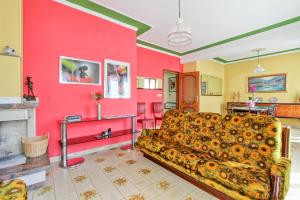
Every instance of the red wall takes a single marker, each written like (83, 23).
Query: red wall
(52, 30)
(151, 64)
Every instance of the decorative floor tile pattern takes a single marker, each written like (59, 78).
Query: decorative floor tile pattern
(144, 171)
(79, 179)
(109, 169)
(127, 175)
(42, 191)
(120, 181)
(87, 195)
(164, 185)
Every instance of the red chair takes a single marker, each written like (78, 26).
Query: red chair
(141, 115)
(158, 111)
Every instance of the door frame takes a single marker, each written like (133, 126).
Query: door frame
(197, 100)
(177, 85)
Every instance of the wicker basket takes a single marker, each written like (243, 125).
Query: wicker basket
(35, 146)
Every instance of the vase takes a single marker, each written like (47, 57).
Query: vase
(251, 104)
(99, 111)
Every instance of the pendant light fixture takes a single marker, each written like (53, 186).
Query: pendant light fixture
(259, 68)
(181, 34)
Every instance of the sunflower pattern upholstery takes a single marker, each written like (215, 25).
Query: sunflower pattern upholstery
(13, 190)
(235, 154)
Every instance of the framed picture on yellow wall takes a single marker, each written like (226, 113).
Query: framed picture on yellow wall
(268, 83)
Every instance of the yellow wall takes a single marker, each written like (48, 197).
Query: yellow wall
(208, 103)
(236, 76)
(11, 25)
(10, 77)
(11, 34)
(236, 79)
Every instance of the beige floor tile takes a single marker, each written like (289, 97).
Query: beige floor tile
(143, 179)
(198, 194)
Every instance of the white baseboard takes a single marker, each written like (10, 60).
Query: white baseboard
(34, 178)
(89, 151)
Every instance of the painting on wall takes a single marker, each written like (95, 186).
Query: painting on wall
(203, 88)
(267, 83)
(116, 79)
(172, 84)
(79, 71)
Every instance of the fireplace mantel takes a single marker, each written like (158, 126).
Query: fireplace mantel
(16, 121)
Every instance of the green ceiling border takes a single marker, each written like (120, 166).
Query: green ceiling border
(158, 47)
(222, 60)
(237, 37)
(142, 28)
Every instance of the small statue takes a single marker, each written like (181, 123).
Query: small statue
(233, 97)
(238, 94)
(30, 95)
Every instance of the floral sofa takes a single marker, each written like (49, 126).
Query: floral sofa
(13, 190)
(238, 156)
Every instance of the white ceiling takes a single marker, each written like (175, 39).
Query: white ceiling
(215, 20)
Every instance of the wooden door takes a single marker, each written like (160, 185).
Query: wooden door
(189, 91)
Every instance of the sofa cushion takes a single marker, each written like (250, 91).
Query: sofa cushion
(14, 189)
(248, 180)
(184, 156)
(173, 123)
(251, 139)
(204, 129)
(150, 143)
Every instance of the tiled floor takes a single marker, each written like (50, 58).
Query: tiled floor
(117, 174)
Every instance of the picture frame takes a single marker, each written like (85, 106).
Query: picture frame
(172, 84)
(79, 71)
(203, 88)
(117, 79)
(268, 83)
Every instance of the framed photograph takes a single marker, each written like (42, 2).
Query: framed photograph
(79, 71)
(116, 79)
(267, 83)
(203, 88)
(172, 84)
(152, 83)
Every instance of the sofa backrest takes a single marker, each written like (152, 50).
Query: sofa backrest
(203, 128)
(245, 138)
(184, 128)
(251, 139)
(172, 125)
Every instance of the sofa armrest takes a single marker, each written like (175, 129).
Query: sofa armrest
(150, 132)
(280, 172)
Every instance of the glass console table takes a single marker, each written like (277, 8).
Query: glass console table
(65, 141)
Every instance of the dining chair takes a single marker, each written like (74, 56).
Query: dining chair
(158, 111)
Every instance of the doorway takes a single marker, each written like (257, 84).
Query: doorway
(171, 93)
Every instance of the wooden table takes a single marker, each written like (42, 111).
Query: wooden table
(281, 110)
(256, 109)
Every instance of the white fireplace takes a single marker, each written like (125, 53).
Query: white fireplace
(16, 121)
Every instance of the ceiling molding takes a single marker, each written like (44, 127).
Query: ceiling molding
(222, 60)
(248, 34)
(155, 49)
(95, 7)
(159, 48)
(142, 27)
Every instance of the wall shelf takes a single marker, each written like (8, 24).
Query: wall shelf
(94, 137)
(148, 89)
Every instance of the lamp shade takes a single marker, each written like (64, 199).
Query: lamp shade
(180, 35)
